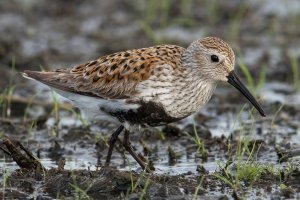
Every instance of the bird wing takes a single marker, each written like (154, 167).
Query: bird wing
(114, 76)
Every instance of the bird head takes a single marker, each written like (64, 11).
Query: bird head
(213, 60)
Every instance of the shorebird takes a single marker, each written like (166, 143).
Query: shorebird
(147, 87)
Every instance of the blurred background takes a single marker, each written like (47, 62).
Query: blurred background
(265, 34)
(41, 34)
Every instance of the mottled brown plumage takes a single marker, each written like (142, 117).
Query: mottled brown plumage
(114, 76)
(150, 86)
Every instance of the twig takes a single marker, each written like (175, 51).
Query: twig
(5, 151)
(27, 162)
(27, 151)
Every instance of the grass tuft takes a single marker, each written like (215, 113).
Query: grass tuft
(200, 143)
(5, 103)
(295, 70)
(253, 87)
(199, 187)
(5, 175)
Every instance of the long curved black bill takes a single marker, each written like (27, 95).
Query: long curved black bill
(234, 80)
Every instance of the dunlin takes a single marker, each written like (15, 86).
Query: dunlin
(149, 86)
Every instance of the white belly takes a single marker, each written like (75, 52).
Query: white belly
(90, 106)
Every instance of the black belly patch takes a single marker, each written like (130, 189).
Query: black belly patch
(149, 113)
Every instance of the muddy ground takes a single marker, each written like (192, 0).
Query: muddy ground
(266, 38)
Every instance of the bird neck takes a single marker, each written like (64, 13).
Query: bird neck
(191, 93)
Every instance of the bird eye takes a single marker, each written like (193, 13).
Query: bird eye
(214, 58)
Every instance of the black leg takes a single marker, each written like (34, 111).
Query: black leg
(112, 141)
(128, 147)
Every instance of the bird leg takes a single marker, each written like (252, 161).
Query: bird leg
(129, 148)
(112, 141)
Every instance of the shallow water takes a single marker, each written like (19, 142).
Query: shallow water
(224, 123)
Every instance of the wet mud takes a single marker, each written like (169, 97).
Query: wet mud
(182, 170)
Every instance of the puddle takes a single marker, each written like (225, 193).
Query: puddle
(79, 149)
(77, 144)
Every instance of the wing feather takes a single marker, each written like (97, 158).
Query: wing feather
(114, 76)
